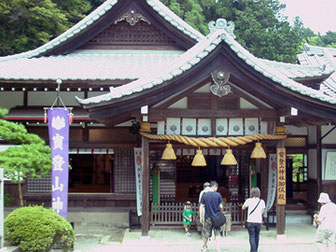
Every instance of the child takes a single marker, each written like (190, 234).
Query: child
(187, 215)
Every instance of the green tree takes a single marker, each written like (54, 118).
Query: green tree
(190, 11)
(308, 36)
(96, 3)
(329, 39)
(297, 164)
(28, 24)
(74, 10)
(31, 158)
(259, 27)
(302, 31)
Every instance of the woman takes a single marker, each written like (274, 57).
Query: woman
(256, 208)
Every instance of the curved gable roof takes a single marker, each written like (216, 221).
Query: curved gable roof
(98, 14)
(193, 57)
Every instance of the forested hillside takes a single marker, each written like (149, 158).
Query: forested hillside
(259, 27)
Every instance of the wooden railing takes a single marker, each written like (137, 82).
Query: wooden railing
(170, 213)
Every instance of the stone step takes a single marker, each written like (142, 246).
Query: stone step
(298, 216)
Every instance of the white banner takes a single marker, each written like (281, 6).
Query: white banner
(138, 178)
(272, 181)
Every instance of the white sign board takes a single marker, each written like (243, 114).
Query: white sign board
(330, 168)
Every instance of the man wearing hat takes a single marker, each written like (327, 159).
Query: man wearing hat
(326, 220)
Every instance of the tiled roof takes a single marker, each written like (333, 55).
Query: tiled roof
(192, 57)
(314, 56)
(80, 27)
(99, 65)
(294, 71)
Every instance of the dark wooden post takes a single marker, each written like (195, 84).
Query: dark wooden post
(319, 159)
(145, 187)
(280, 209)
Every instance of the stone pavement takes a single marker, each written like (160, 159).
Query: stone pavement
(97, 238)
(298, 237)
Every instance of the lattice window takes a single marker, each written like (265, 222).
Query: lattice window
(101, 135)
(124, 174)
(295, 142)
(39, 185)
(115, 135)
(244, 173)
(124, 33)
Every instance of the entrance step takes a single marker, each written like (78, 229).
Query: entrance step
(298, 216)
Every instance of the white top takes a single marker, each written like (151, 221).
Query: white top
(327, 216)
(206, 189)
(256, 216)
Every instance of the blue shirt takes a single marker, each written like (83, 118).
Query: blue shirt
(213, 199)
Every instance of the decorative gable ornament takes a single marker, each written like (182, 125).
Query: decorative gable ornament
(221, 79)
(222, 24)
(132, 18)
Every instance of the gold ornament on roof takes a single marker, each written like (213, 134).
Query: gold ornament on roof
(132, 18)
(221, 80)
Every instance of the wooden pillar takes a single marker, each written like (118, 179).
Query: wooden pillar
(280, 208)
(319, 159)
(145, 187)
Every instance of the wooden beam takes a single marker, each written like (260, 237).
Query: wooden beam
(145, 187)
(319, 159)
(162, 114)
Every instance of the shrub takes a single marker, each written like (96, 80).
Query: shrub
(36, 228)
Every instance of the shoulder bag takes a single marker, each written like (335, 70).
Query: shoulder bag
(253, 211)
(217, 220)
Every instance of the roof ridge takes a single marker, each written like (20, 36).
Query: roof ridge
(308, 48)
(278, 63)
(95, 15)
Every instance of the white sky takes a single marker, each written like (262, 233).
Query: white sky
(318, 15)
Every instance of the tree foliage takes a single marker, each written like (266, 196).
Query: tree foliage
(27, 159)
(74, 10)
(3, 112)
(190, 11)
(308, 36)
(31, 158)
(27, 24)
(259, 26)
(12, 133)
